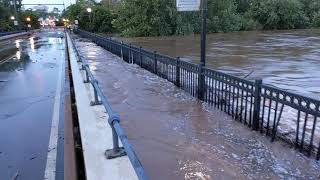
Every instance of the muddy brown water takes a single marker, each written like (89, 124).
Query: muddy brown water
(178, 137)
(287, 59)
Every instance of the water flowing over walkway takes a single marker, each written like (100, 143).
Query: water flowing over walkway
(178, 137)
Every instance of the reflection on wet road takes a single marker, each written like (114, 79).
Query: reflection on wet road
(28, 81)
(287, 59)
(178, 137)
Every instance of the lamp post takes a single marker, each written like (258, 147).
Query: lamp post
(89, 10)
(28, 19)
(14, 3)
(15, 23)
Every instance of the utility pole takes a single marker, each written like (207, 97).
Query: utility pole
(204, 9)
(202, 86)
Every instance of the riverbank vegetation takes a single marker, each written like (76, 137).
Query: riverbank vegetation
(160, 17)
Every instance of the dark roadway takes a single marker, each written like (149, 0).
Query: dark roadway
(31, 107)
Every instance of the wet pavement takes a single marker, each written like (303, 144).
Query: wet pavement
(287, 59)
(28, 88)
(178, 137)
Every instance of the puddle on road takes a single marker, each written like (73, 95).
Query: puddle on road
(178, 137)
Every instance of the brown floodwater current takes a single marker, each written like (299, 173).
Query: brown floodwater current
(287, 59)
(178, 137)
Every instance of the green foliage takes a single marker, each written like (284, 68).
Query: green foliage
(99, 20)
(310, 7)
(5, 24)
(276, 14)
(160, 17)
(188, 23)
(145, 18)
(249, 23)
(223, 16)
(316, 19)
(34, 16)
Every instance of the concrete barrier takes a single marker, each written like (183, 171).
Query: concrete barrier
(96, 134)
(15, 35)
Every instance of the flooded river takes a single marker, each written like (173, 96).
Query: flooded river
(287, 59)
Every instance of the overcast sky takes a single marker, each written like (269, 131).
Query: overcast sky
(66, 2)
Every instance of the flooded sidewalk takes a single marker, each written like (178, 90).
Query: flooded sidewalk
(178, 137)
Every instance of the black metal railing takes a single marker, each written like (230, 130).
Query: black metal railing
(113, 120)
(259, 106)
(9, 33)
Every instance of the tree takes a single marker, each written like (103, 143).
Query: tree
(145, 17)
(223, 16)
(276, 14)
(99, 20)
(160, 17)
(5, 24)
(34, 16)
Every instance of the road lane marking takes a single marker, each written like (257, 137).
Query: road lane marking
(50, 171)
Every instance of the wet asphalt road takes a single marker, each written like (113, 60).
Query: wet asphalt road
(28, 82)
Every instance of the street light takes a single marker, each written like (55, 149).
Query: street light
(89, 10)
(28, 19)
(12, 18)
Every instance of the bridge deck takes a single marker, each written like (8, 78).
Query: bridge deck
(178, 137)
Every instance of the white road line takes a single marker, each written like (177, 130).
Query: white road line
(50, 171)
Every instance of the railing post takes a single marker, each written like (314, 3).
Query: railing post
(77, 54)
(140, 53)
(256, 107)
(318, 154)
(201, 83)
(155, 67)
(86, 73)
(178, 72)
(96, 97)
(116, 151)
(122, 50)
(111, 47)
(129, 60)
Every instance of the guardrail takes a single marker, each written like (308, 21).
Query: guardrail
(113, 120)
(259, 106)
(9, 33)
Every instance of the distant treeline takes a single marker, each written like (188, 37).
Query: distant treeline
(160, 17)
(8, 16)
